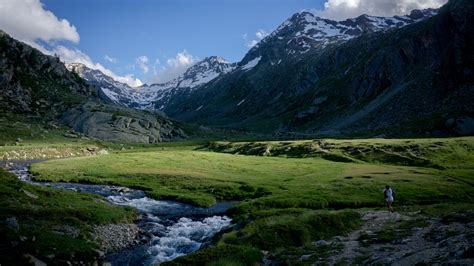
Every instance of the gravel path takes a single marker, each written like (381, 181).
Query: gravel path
(430, 241)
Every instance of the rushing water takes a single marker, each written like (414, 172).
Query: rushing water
(171, 229)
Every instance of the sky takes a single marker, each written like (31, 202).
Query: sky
(150, 41)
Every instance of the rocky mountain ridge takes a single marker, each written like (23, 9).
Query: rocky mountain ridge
(306, 31)
(112, 90)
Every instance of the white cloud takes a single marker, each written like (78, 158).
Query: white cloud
(174, 67)
(343, 9)
(182, 59)
(28, 21)
(110, 59)
(259, 35)
(142, 63)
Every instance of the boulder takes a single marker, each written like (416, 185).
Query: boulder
(12, 223)
(321, 243)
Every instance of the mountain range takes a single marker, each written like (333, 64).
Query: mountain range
(154, 96)
(301, 33)
(366, 75)
(393, 76)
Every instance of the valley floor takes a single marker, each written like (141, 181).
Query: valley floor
(300, 202)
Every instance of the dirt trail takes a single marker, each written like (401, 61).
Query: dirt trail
(398, 239)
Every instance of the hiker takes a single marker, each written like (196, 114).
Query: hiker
(388, 195)
(5, 161)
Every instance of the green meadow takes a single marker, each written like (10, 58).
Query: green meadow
(288, 178)
(287, 193)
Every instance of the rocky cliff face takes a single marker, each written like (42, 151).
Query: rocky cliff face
(399, 76)
(40, 86)
(35, 84)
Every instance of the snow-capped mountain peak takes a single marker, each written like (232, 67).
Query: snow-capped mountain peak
(306, 30)
(205, 71)
(198, 74)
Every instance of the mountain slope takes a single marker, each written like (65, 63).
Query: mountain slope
(32, 83)
(408, 80)
(40, 87)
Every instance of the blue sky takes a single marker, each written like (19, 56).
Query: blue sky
(150, 41)
(125, 29)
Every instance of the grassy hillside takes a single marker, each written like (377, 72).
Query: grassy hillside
(289, 193)
(54, 225)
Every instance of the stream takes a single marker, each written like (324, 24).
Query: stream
(168, 229)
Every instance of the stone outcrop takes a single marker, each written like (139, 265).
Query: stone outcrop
(114, 123)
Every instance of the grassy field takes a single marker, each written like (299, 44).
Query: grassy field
(290, 192)
(202, 177)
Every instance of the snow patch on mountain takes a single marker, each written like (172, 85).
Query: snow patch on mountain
(251, 64)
